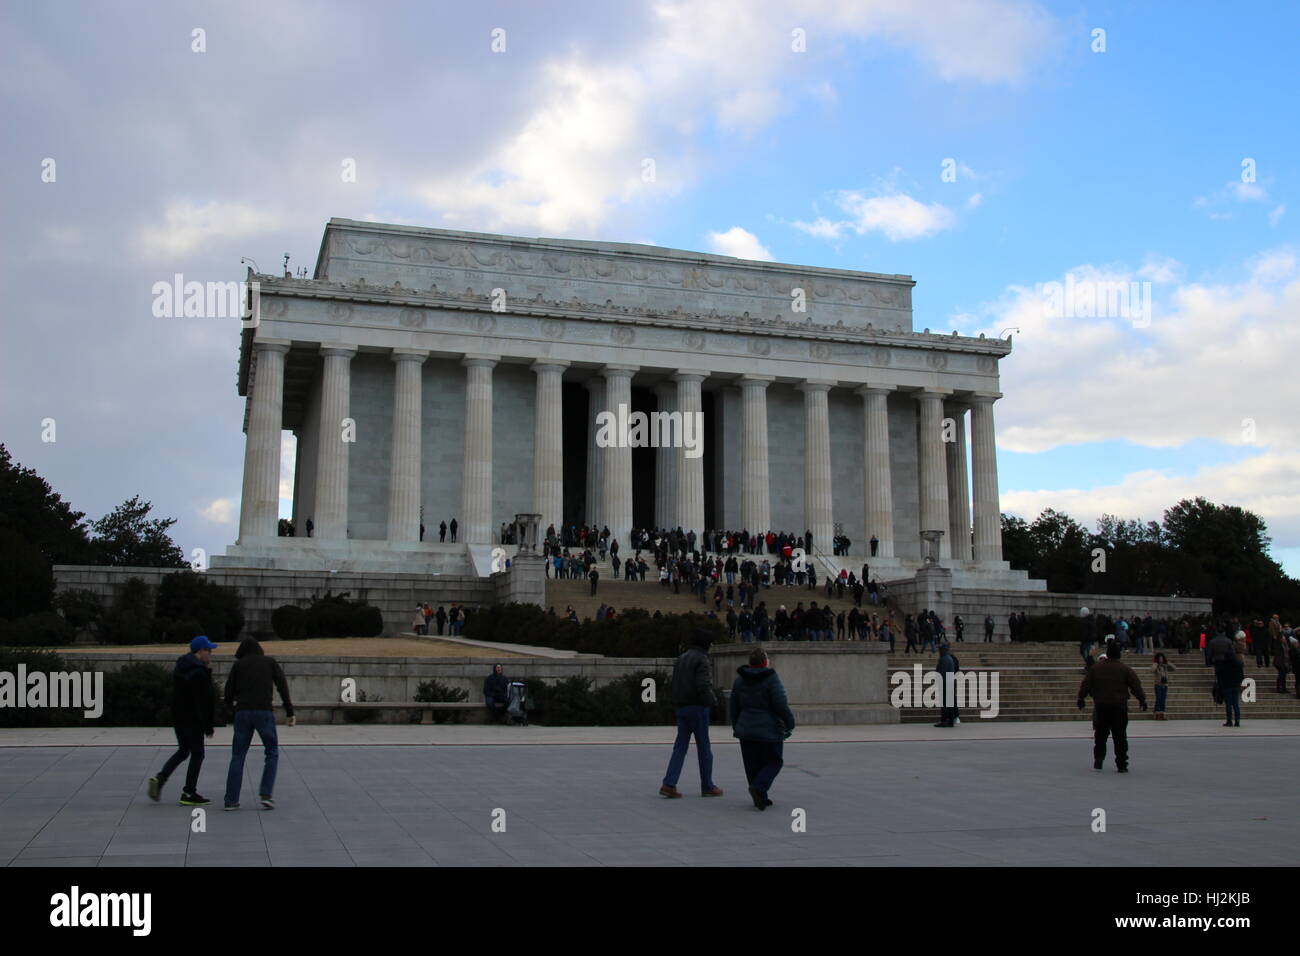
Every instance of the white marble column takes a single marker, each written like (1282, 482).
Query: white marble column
(331, 520)
(476, 484)
(617, 504)
(817, 464)
(877, 477)
(404, 468)
(666, 465)
(548, 444)
(959, 530)
(259, 509)
(595, 504)
(984, 472)
(934, 478)
(755, 488)
(690, 470)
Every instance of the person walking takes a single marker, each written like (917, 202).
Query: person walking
(909, 632)
(692, 693)
(249, 691)
(418, 623)
(1162, 667)
(947, 665)
(193, 714)
(1230, 674)
(1109, 682)
(761, 720)
(1278, 647)
(988, 628)
(441, 618)
(442, 532)
(453, 526)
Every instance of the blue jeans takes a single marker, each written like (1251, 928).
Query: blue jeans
(1162, 691)
(691, 719)
(246, 721)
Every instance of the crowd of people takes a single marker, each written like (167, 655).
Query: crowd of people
(447, 620)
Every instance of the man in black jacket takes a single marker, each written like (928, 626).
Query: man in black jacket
(193, 706)
(249, 689)
(1109, 682)
(692, 691)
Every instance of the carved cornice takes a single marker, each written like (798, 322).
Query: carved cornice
(625, 319)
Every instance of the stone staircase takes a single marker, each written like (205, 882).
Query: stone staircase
(1035, 681)
(652, 597)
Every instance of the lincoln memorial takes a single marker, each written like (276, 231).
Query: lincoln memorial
(429, 374)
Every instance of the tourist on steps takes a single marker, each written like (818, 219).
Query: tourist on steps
(1162, 667)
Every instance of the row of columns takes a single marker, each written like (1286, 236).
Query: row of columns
(679, 479)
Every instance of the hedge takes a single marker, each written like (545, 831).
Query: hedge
(632, 633)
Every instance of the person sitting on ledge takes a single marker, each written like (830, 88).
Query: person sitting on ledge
(496, 693)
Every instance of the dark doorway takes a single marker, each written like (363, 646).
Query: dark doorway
(575, 425)
(643, 467)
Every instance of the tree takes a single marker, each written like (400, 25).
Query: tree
(1017, 548)
(31, 509)
(1230, 545)
(128, 537)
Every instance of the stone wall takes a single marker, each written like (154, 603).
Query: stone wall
(264, 590)
(974, 603)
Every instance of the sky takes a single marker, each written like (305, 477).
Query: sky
(998, 152)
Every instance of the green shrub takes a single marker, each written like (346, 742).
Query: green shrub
(367, 621)
(35, 660)
(632, 633)
(432, 691)
(335, 616)
(130, 619)
(81, 608)
(569, 702)
(188, 598)
(45, 629)
(137, 695)
(289, 622)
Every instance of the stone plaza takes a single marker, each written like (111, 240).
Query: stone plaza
(898, 795)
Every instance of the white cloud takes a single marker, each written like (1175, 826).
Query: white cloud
(597, 115)
(1247, 192)
(1162, 269)
(739, 243)
(1211, 357)
(219, 511)
(188, 225)
(975, 201)
(1276, 215)
(896, 215)
(1267, 484)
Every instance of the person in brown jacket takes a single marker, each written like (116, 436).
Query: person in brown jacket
(1109, 682)
(1277, 646)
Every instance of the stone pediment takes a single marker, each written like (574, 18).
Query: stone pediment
(613, 278)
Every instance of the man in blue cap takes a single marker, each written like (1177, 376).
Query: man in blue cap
(193, 710)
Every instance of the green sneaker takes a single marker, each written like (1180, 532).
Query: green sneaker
(155, 789)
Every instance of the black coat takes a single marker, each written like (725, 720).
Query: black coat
(194, 699)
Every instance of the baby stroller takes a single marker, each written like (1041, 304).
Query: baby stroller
(518, 705)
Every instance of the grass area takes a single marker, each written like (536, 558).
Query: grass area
(315, 647)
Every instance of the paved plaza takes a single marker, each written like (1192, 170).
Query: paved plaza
(879, 796)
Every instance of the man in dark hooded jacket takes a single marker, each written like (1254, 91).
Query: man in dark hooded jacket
(692, 692)
(1109, 682)
(249, 691)
(193, 715)
(496, 692)
(761, 719)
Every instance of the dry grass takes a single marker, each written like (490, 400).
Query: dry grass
(316, 647)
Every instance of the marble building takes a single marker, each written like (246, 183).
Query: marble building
(429, 374)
